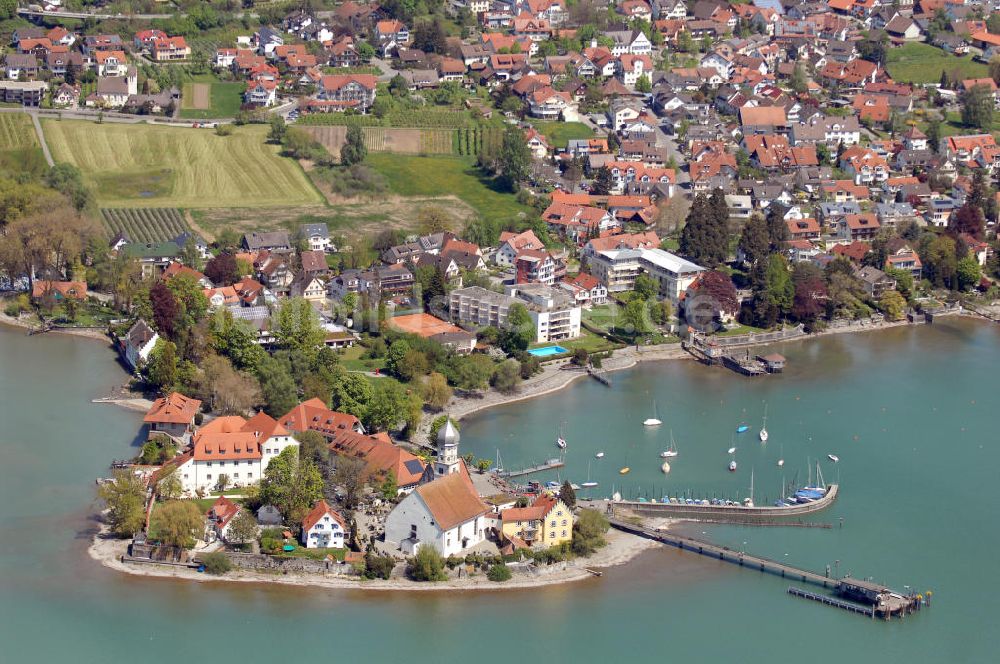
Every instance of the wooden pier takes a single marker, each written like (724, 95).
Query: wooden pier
(599, 377)
(885, 602)
(548, 465)
(832, 601)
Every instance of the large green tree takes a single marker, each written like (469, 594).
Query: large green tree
(291, 484)
(519, 331)
(514, 160)
(353, 151)
(124, 499)
(755, 241)
(277, 387)
(705, 236)
(177, 523)
(977, 107)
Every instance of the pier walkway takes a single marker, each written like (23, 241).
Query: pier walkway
(884, 601)
(529, 470)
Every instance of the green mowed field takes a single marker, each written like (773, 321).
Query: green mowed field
(226, 99)
(19, 148)
(16, 131)
(923, 63)
(441, 176)
(157, 166)
(560, 133)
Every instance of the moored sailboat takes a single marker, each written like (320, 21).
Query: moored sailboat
(652, 421)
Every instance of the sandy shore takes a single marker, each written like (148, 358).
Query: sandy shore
(621, 548)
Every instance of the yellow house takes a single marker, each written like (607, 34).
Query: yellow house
(546, 522)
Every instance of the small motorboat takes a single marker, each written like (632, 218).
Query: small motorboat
(781, 462)
(599, 455)
(833, 457)
(732, 466)
(742, 428)
(624, 471)
(665, 467)
(731, 450)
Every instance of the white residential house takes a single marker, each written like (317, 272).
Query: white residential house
(323, 528)
(238, 448)
(138, 343)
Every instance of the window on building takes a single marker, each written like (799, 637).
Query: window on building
(210, 477)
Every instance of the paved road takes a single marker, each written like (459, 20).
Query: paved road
(663, 139)
(85, 15)
(387, 71)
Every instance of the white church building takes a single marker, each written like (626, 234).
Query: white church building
(445, 513)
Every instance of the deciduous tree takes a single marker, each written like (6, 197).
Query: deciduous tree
(436, 391)
(124, 499)
(177, 523)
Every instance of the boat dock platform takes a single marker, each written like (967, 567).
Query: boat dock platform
(885, 602)
(529, 470)
(757, 515)
(832, 601)
(745, 365)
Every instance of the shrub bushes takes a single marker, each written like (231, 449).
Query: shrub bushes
(216, 563)
(499, 573)
(378, 567)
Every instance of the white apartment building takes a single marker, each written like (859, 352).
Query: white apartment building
(618, 268)
(553, 311)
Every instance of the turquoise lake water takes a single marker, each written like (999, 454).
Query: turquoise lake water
(912, 414)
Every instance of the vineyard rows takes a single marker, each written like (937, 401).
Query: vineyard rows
(424, 119)
(145, 225)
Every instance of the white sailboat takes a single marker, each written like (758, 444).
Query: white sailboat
(672, 452)
(560, 441)
(652, 421)
(588, 484)
(763, 427)
(781, 457)
(748, 502)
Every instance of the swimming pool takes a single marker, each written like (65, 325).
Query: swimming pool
(548, 350)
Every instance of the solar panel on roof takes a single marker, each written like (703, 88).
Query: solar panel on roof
(414, 466)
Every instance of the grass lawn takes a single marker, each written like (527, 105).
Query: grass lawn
(439, 176)
(560, 133)
(587, 340)
(226, 99)
(602, 316)
(19, 148)
(315, 554)
(16, 131)
(740, 329)
(151, 165)
(352, 361)
(923, 63)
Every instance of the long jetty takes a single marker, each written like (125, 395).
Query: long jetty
(884, 602)
(530, 470)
